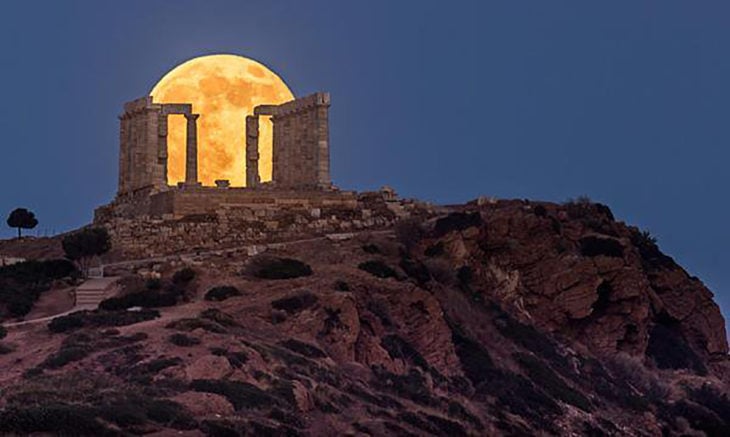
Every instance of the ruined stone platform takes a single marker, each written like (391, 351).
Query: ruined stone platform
(195, 200)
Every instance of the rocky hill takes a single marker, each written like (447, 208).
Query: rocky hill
(503, 318)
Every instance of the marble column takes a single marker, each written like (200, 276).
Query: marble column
(252, 151)
(191, 150)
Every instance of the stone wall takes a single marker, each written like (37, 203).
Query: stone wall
(301, 143)
(236, 225)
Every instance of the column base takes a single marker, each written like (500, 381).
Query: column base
(184, 185)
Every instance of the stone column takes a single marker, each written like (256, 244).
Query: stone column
(191, 150)
(252, 151)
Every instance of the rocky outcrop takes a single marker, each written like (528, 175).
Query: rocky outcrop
(505, 318)
(573, 270)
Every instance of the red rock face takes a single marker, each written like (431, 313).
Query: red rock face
(506, 319)
(574, 271)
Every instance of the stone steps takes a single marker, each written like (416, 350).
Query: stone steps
(93, 291)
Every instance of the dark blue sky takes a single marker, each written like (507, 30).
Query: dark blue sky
(624, 101)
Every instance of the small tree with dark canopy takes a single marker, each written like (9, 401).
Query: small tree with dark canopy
(85, 244)
(21, 218)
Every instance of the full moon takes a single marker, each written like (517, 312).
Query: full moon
(223, 89)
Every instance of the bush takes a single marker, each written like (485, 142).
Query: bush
(543, 376)
(296, 303)
(630, 369)
(415, 270)
(306, 349)
(21, 284)
(378, 269)
(3, 332)
(219, 317)
(222, 293)
(192, 324)
(153, 284)
(457, 221)
(409, 233)
(397, 347)
(595, 246)
(441, 271)
(713, 398)
(436, 249)
(183, 340)
(85, 244)
(53, 418)
(342, 286)
(183, 276)
(99, 319)
(240, 394)
(266, 267)
(148, 298)
(64, 356)
(372, 249)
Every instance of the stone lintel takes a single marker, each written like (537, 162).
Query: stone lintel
(302, 104)
(177, 108)
(265, 110)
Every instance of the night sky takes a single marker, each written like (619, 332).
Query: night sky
(623, 101)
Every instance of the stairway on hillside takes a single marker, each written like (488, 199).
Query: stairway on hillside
(93, 291)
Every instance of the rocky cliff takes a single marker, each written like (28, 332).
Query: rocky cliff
(504, 318)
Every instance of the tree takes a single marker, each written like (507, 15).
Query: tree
(21, 218)
(85, 244)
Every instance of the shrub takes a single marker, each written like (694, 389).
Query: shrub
(595, 246)
(64, 356)
(441, 271)
(713, 398)
(651, 256)
(409, 233)
(192, 324)
(183, 340)
(456, 221)
(85, 244)
(465, 276)
(540, 211)
(3, 332)
(410, 386)
(372, 249)
(98, 319)
(52, 418)
(222, 293)
(397, 347)
(306, 349)
(183, 276)
(5, 349)
(378, 269)
(21, 284)
(240, 394)
(543, 376)
(341, 286)
(266, 267)
(219, 317)
(153, 284)
(145, 299)
(436, 249)
(296, 303)
(630, 369)
(416, 270)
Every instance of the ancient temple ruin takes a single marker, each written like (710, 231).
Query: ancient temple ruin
(301, 161)
(148, 217)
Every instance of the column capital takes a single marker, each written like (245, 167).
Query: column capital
(191, 117)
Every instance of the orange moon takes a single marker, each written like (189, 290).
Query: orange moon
(223, 89)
